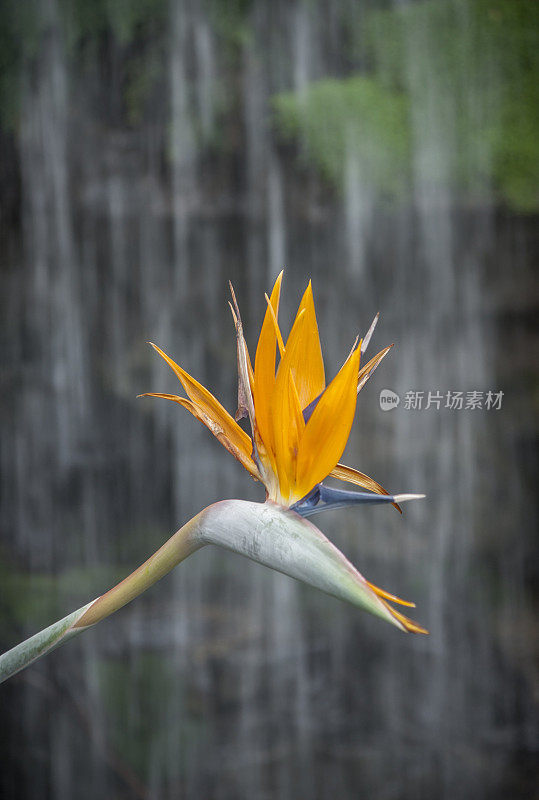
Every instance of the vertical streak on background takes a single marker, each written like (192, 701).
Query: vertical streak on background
(230, 681)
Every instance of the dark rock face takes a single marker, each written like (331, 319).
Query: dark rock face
(131, 196)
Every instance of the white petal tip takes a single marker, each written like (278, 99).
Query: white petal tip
(403, 498)
(369, 333)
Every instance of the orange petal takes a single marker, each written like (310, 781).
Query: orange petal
(308, 366)
(240, 446)
(209, 405)
(264, 377)
(286, 417)
(389, 596)
(408, 624)
(276, 328)
(351, 475)
(328, 428)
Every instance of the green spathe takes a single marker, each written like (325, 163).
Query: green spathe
(282, 540)
(264, 532)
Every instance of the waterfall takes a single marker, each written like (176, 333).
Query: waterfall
(145, 185)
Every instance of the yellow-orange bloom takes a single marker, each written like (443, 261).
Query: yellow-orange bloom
(300, 425)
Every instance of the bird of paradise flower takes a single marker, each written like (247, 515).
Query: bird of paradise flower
(299, 429)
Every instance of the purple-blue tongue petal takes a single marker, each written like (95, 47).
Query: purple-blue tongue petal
(323, 498)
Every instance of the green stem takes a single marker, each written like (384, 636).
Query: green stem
(176, 549)
(184, 542)
(36, 646)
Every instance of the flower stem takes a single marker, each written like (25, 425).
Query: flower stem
(184, 542)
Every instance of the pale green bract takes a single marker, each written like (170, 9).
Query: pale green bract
(264, 532)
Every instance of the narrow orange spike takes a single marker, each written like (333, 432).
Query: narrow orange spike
(209, 406)
(297, 423)
(294, 397)
(275, 326)
(296, 406)
(284, 411)
(176, 398)
(407, 623)
(308, 366)
(328, 428)
(264, 372)
(389, 596)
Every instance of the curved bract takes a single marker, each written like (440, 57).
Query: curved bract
(269, 534)
(282, 540)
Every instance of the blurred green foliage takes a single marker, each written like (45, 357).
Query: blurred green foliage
(230, 22)
(125, 18)
(19, 39)
(354, 118)
(138, 31)
(454, 85)
(137, 26)
(446, 91)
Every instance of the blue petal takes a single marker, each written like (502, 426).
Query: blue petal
(326, 497)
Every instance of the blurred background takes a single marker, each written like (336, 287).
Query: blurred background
(150, 151)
